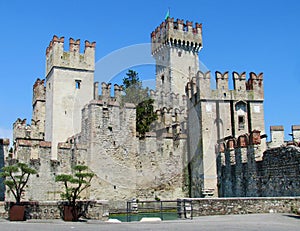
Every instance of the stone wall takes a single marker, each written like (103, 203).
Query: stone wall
(125, 166)
(227, 206)
(97, 210)
(279, 172)
(4, 152)
(276, 175)
(142, 168)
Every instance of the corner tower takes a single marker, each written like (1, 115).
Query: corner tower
(175, 46)
(69, 86)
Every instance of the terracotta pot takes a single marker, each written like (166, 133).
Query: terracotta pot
(70, 214)
(17, 213)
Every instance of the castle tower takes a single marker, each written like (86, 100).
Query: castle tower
(39, 105)
(69, 86)
(215, 115)
(175, 46)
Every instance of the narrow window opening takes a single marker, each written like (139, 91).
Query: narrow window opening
(241, 122)
(77, 84)
(179, 54)
(162, 79)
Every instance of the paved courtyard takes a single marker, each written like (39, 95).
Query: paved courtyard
(262, 222)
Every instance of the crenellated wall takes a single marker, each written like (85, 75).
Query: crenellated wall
(277, 136)
(142, 168)
(126, 166)
(57, 57)
(240, 174)
(177, 33)
(251, 89)
(37, 154)
(23, 130)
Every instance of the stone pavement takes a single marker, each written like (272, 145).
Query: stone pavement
(261, 222)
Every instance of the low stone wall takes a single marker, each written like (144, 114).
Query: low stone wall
(226, 206)
(96, 210)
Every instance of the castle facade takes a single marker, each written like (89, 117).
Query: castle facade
(190, 150)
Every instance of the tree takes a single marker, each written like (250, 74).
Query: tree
(139, 96)
(74, 185)
(16, 178)
(133, 88)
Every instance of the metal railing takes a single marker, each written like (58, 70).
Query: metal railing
(164, 209)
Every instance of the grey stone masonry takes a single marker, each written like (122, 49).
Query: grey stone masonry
(96, 210)
(4, 152)
(277, 174)
(248, 205)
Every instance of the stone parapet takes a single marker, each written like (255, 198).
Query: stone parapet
(248, 205)
(48, 210)
(198, 88)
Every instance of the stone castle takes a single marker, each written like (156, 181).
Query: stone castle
(205, 143)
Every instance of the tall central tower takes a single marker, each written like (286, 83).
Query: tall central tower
(175, 46)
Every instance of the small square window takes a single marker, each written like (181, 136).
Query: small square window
(241, 120)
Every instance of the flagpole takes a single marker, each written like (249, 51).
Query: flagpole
(168, 14)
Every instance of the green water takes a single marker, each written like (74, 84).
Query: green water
(139, 216)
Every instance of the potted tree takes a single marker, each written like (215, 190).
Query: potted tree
(74, 185)
(16, 178)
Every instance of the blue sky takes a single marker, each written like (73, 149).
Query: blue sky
(256, 35)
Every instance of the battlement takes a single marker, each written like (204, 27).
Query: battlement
(57, 57)
(22, 130)
(4, 142)
(242, 141)
(162, 99)
(200, 86)
(177, 34)
(170, 116)
(107, 92)
(277, 136)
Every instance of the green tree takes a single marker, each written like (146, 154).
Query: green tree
(138, 95)
(74, 185)
(16, 178)
(133, 88)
